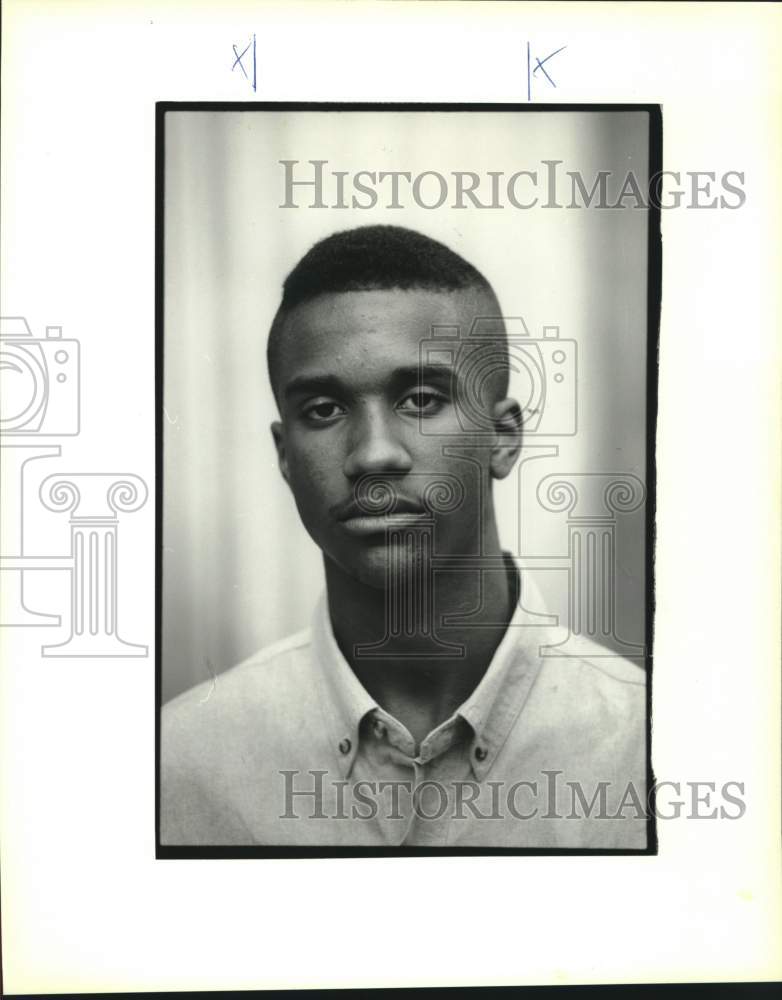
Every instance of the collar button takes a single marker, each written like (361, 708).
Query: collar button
(344, 746)
(481, 753)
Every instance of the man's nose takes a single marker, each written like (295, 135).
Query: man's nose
(376, 446)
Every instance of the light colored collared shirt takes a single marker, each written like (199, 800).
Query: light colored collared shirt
(288, 748)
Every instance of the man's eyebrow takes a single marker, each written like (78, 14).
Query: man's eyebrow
(424, 372)
(313, 383)
(328, 384)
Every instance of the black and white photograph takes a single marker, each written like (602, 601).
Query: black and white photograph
(389, 496)
(406, 465)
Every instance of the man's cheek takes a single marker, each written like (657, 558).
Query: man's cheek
(306, 462)
(310, 483)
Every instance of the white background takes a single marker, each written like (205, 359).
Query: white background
(85, 905)
(239, 570)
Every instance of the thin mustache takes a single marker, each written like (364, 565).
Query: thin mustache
(351, 508)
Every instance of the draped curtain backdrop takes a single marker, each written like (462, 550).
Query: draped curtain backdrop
(239, 571)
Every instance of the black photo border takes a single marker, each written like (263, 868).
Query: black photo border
(654, 293)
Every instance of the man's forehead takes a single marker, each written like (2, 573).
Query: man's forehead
(410, 315)
(378, 341)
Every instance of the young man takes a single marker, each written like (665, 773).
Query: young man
(419, 708)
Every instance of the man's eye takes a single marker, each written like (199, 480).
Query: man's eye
(423, 401)
(323, 411)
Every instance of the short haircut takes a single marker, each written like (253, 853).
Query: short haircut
(371, 258)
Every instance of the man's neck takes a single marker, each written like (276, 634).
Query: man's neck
(417, 669)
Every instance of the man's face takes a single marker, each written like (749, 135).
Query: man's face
(368, 431)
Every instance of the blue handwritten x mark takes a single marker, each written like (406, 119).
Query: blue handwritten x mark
(238, 60)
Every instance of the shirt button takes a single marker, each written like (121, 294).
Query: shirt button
(379, 729)
(344, 746)
(481, 753)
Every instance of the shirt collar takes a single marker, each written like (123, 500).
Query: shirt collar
(496, 702)
(347, 699)
(490, 710)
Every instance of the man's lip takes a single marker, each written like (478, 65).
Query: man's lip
(370, 524)
(353, 511)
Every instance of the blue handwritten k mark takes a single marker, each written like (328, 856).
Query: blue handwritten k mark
(239, 56)
(539, 64)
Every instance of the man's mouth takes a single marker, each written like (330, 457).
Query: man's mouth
(370, 524)
(358, 521)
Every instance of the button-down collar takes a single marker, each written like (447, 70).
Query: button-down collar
(346, 699)
(496, 702)
(489, 711)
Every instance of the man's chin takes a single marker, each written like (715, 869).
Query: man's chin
(377, 563)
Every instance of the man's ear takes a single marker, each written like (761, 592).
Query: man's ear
(279, 444)
(508, 423)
